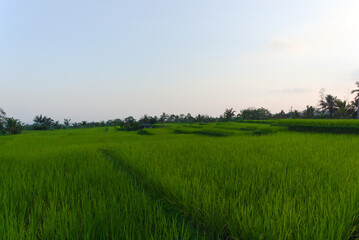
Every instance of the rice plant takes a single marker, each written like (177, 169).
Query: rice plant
(113, 184)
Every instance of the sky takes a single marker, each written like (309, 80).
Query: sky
(99, 60)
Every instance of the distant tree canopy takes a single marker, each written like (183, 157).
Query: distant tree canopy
(148, 119)
(356, 99)
(229, 114)
(254, 114)
(332, 107)
(2, 121)
(9, 125)
(43, 122)
(67, 122)
(329, 106)
(342, 108)
(13, 126)
(309, 112)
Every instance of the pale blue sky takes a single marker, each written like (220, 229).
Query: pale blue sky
(99, 60)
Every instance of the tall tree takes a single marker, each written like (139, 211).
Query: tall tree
(117, 121)
(328, 103)
(343, 108)
(357, 96)
(295, 114)
(163, 117)
(255, 114)
(2, 121)
(67, 122)
(189, 118)
(199, 118)
(144, 119)
(2, 115)
(171, 118)
(309, 112)
(42, 122)
(57, 125)
(13, 126)
(228, 114)
(129, 119)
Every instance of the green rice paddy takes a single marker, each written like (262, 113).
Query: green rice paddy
(181, 181)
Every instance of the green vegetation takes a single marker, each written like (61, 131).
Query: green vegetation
(347, 126)
(216, 181)
(58, 185)
(320, 122)
(9, 125)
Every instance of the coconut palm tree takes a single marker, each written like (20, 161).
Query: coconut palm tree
(163, 117)
(144, 119)
(228, 114)
(42, 122)
(343, 108)
(67, 122)
(309, 112)
(328, 104)
(357, 96)
(13, 126)
(295, 114)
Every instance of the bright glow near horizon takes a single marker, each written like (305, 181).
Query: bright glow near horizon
(91, 60)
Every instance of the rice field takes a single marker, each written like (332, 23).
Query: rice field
(354, 123)
(181, 181)
(343, 126)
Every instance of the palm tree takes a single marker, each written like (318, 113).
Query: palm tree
(57, 125)
(295, 114)
(38, 119)
(42, 122)
(328, 104)
(2, 121)
(309, 112)
(13, 126)
(189, 118)
(228, 114)
(163, 117)
(343, 108)
(67, 122)
(2, 115)
(357, 96)
(144, 119)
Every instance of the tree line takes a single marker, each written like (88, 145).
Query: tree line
(329, 107)
(9, 125)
